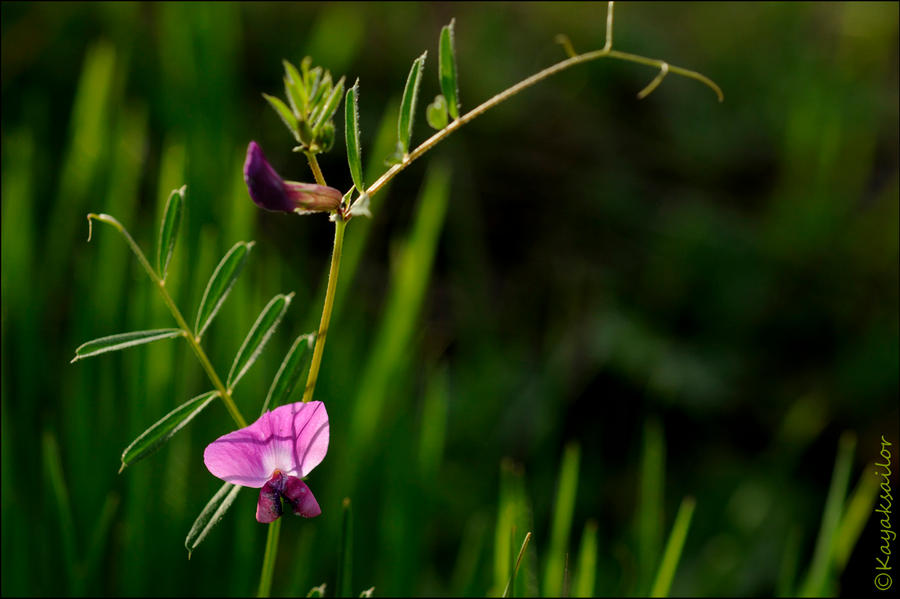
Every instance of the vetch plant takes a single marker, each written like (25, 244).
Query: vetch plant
(277, 451)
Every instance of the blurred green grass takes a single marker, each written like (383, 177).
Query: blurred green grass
(700, 298)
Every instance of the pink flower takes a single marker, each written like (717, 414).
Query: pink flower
(274, 454)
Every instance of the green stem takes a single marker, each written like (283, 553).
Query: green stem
(268, 567)
(176, 313)
(319, 349)
(314, 165)
(339, 226)
(606, 52)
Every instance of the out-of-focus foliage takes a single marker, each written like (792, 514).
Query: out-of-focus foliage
(701, 296)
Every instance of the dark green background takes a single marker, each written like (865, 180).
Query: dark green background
(729, 271)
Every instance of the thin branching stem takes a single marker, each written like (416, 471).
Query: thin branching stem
(193, 341)
(606, 52)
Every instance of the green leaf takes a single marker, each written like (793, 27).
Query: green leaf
(313, 76)
(351, 135)
(154, 437)
(294, 99)
(210, 516)
(436, 113)
(121, 341)
(286, 115)
(323, 89)
(288, 373)
(447, 68)
(330, 105)
(295, 88)
(408, 105)
(168, 231)
(220, 284)
(259, 334)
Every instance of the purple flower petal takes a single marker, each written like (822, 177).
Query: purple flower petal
(270, 192)
(301, 498)
(268, 508)
(292, 439)
(293, 490)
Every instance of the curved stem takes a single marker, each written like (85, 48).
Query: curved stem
(176, 314)
(606, 52)
(268, 567)
(319, 349)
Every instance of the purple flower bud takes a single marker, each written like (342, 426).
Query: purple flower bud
(270, 192)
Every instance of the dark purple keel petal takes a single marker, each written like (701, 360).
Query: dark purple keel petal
(270, 192)
(293, 490)
(301, 498)
(268, 508)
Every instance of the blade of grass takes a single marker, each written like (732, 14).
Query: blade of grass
(100, 536)
(405, 297)
(674, 546)
(586, 570)
(513, 516)
(650, 506)
(53, 467)
(468, 557)
(562, 521)
(817, 579)
(434, 424)
(787, 571)
(344, 586)
(859, 509)
(88, 131)
(518, 563)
